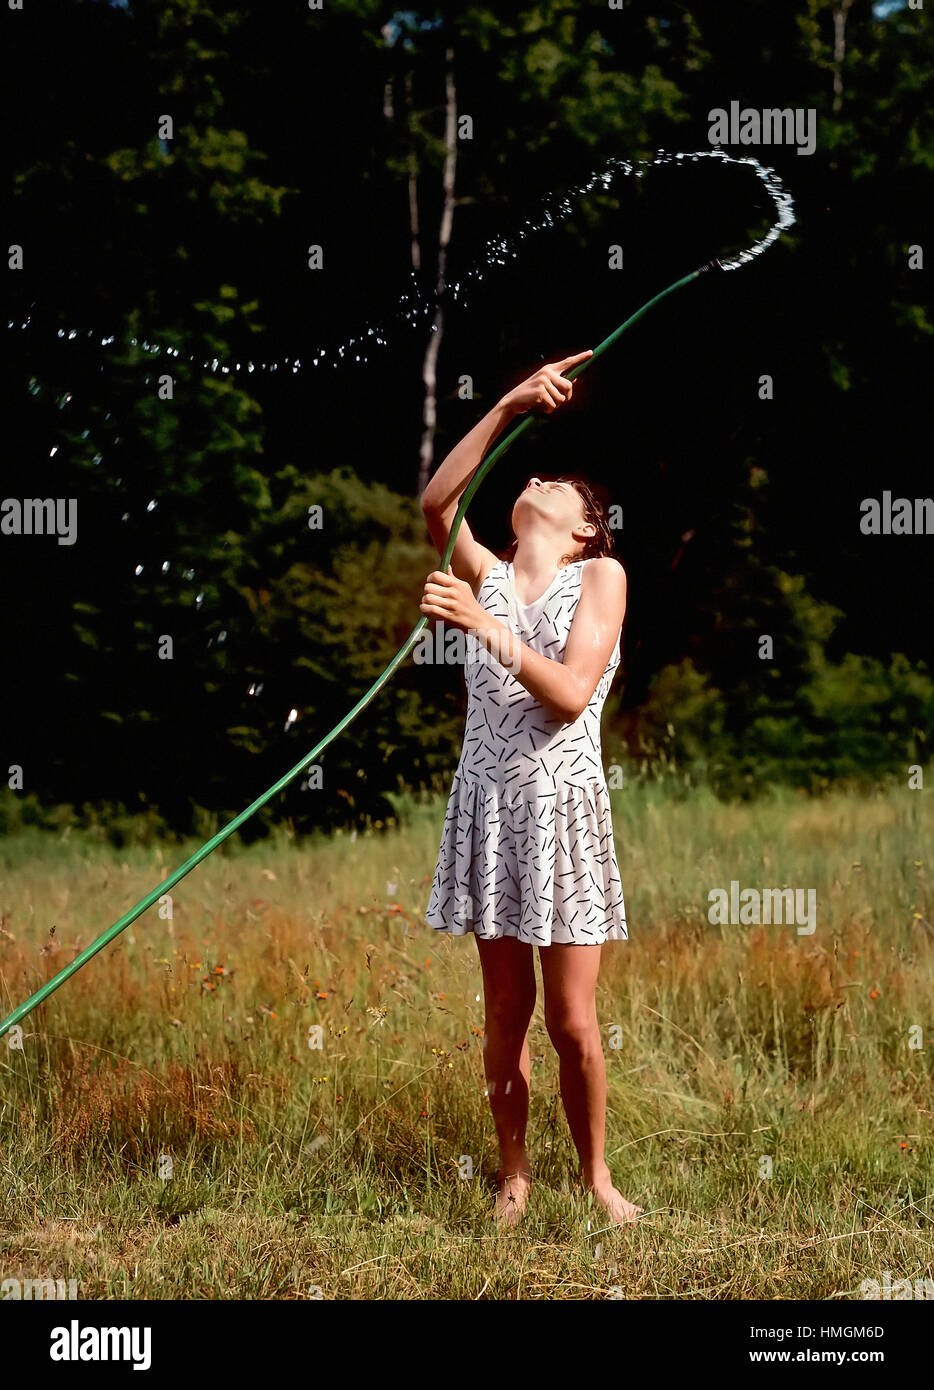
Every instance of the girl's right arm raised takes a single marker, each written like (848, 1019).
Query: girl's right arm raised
(471, 561)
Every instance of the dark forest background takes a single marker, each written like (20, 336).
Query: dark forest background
(295, 127)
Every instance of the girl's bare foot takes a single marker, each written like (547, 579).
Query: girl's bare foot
(511, 1196)
(620, 1212)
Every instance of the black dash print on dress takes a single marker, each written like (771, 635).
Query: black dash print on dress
(527, 846)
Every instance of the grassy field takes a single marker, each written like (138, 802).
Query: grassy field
(168, 1132)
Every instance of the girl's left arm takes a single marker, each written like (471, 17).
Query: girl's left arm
(566, 687)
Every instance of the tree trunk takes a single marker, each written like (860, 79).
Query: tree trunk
(839, 51)
(413, 180)
(430, 363)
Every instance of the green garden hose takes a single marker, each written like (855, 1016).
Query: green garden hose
(152, 897)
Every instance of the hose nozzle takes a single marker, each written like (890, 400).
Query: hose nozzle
(712, 265)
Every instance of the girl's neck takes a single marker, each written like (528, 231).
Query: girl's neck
(536, 561)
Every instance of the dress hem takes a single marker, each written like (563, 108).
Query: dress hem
(459, 930)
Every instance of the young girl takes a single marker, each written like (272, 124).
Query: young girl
(527, 856)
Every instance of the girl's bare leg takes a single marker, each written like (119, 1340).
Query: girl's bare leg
(569, 974)
(509, 998)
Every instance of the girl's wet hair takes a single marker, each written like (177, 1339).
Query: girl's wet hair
(595, 500)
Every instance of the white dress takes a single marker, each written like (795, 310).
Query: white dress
(527, 846)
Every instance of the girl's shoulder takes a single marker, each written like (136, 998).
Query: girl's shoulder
(496, 572)
(603, 564)
(604, 579)
(603, 570)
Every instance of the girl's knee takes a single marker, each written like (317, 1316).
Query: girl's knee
(509, 1013)
(573, 1034)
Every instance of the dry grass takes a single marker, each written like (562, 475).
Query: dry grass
(299, 1172)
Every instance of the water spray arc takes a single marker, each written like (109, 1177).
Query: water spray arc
(414, 308)
(785, 218)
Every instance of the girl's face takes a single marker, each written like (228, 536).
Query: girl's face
(559, 502)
